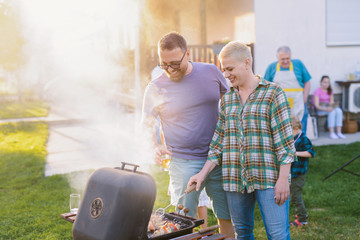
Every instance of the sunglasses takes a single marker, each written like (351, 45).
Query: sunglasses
(173, 66)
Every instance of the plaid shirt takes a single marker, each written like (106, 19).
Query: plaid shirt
(251, 141)
(301, 165)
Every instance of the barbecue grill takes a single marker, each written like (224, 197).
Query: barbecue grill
(117, 204)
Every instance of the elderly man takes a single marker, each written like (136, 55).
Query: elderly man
(186, 98)
(293, 77)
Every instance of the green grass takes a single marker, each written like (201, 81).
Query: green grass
(31, 203)
(14, 109)
(333, 205)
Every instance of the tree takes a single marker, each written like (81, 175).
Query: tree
(11, 41)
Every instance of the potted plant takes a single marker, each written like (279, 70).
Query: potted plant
(219, 44)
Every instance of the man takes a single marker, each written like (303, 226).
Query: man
(294, 78)
(253, 142)
(186, 98)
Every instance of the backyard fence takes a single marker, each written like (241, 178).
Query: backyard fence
(198, 53)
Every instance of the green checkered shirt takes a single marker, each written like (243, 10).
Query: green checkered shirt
(251, 141)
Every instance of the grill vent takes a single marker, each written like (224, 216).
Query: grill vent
(96, 207)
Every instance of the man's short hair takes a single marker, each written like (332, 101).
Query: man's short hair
(171, 41)
(236, 49)
(284, 49)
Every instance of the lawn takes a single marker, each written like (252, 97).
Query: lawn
(15, 109)
(31, 203)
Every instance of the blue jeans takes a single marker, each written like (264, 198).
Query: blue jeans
(275, 217)
(335, 117)
(304, 119)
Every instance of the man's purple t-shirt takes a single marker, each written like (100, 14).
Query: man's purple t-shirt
(188, 109)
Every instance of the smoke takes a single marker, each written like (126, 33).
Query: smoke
(77, 57)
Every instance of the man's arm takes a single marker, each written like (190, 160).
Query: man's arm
(269, 73)
(148, 121)
(305, 77)
(223, 84)
(306, 91)
(148, 124)
(215, 151)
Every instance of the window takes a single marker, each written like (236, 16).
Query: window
(342, 22)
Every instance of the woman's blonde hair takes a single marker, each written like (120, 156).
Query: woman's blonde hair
(295, 122)
(237, 50)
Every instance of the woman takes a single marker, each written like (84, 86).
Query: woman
(325, 105)
(253, 143)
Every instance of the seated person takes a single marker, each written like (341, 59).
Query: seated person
(323, 100)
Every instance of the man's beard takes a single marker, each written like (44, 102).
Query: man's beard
(180, 74)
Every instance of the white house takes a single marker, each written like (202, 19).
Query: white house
(302, 25)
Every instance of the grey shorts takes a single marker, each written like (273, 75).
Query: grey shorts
(181, 170)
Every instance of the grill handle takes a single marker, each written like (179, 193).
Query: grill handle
(125, 163)
(208, 229)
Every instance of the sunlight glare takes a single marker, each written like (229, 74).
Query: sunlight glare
(245, 28)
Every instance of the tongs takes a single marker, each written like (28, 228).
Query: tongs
(161, 211)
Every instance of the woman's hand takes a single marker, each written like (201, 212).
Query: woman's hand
(200, 177)
(329, 109)
(282, 191)
(197, 179)
(282, 186)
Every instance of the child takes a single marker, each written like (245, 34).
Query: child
(304, 150)
(204, 203)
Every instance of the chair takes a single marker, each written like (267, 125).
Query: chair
(314, 113)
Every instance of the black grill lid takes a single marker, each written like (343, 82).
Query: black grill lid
(117, 204)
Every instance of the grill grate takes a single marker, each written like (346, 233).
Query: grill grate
(186, 226)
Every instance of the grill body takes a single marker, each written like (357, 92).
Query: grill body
(117, 204)
(187, 224)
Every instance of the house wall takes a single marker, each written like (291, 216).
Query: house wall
(163, 16)
(232, 19)
(301, 25)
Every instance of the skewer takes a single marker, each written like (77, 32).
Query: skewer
(161, 211)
